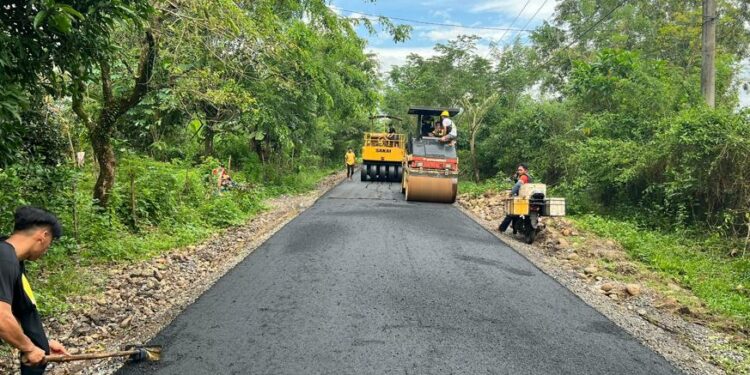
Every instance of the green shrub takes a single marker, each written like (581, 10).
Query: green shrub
(701, 169)
(474, 189)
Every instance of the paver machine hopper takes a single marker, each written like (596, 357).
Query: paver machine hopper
(431, 166)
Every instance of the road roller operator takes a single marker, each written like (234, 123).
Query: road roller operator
(451, 131)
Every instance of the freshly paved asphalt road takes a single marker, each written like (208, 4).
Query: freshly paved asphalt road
(366, 283)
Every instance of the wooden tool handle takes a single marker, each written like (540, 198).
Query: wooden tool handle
(87, 356)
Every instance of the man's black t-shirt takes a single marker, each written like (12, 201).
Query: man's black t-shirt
(16, 291)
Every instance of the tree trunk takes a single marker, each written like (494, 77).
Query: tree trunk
(101, 142)
(101, 130)
(256, 147)
(208, 140)
(473, 151)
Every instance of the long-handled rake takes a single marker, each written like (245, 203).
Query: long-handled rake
(135, 353)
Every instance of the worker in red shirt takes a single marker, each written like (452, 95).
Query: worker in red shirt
(522, 177)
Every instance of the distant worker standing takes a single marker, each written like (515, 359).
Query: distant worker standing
(451, 133)
(350, 160)
(20, 324)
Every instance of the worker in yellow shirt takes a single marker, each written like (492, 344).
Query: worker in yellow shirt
(351, 160)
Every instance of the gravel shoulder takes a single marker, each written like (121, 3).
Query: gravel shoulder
(653, 319)
(139, 299)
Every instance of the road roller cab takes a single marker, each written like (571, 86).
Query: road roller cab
(383, 155)
(431, 167)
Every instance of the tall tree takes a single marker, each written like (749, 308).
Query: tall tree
(112, 108)
(476, 111)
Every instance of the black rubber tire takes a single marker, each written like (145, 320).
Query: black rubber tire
(399, 173)
(392, 173)
(372, 171)
(530, 235)
(363, 173)
(383, 172)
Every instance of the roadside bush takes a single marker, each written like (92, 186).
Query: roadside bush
(154, 191)
(37, 185)
(540, 134)
(701, 169)
(606, 173)
(221, 212)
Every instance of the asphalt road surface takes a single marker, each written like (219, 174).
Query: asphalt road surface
(366, 283)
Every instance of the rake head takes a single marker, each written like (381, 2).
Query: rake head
(144, 353)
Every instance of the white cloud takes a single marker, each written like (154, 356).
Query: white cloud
(335, 9)
(447, 33)
(340, 11)
(511, 8)
(445, 14)
(389, 57)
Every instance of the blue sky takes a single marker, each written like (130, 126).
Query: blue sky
(478, 13)
(471, 13)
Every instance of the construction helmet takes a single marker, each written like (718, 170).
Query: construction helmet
(445, 113)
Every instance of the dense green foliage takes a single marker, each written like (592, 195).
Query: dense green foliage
(612, 118)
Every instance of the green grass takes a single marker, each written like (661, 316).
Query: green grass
(699, 263)
(476, 189)
(731, 365)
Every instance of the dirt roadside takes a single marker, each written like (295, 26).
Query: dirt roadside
(571, 258)
(139, 299)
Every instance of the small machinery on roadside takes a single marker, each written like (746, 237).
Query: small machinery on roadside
(530, 204)
(383, 154)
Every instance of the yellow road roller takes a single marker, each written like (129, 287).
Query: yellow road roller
(383, 154)
(431, 166)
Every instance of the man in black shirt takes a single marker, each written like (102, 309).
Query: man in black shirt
(20, 325)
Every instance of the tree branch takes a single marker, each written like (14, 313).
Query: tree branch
(106, 77)
(78, 95)
(145, 71)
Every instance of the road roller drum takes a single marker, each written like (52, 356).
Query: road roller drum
(431, 189)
